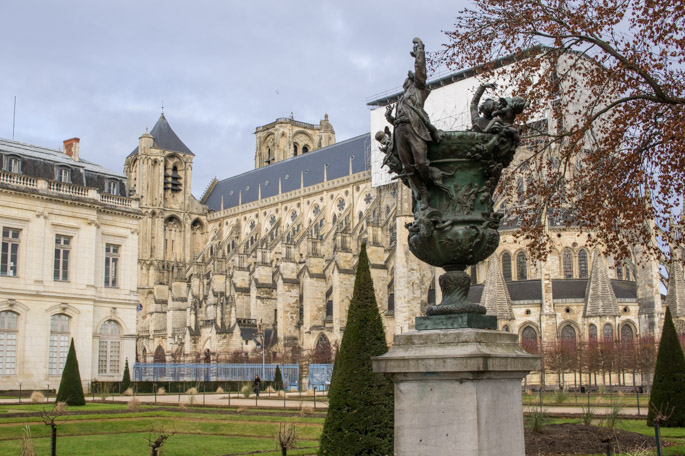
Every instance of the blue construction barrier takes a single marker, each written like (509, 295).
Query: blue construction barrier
(320, 376)
(198, 372)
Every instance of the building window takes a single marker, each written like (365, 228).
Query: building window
(295, 150)
(521, 266)
(529, 340)
(111, 265)
(608, 333)
(305, 149)
(109, 348)
(10, 252)
(582, 264)
(592, 333)
(64, 175)
(62, 251)
(59, 343)
(113, 187)
(506, 266)
(14, 165)
(568, 334)
(8, 342)
(391, 303)
(627, 334)
(431, 295)
(567, 263)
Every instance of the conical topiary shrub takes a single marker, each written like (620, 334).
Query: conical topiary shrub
(126, 379)
(70, 388)
(668, 387)
(360, 411)
(278, 379)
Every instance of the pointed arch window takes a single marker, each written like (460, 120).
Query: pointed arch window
(8, 342)
(592, 332)
(506, 266)
(521, 266)
(295, 150)
(305, 149)
(529, 339)
(608, 333)
(431, 295)
(582, 264)
(567, 264)
(627, 334)
(568, 334)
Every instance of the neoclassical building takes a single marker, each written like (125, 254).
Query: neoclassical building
(67, 266)
(272, 252)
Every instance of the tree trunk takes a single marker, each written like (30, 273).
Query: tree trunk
(53, 441)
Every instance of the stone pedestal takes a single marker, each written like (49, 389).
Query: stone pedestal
(457, 392)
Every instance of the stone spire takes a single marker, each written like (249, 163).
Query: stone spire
(675, 298)
(600, 299)
(495, 296)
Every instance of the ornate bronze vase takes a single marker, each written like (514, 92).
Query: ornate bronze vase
(458, 228)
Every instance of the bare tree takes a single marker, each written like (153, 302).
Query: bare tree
(156, 444)
(287, 437)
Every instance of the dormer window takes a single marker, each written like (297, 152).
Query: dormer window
(113, 187)
(13, 165)
(64, 174)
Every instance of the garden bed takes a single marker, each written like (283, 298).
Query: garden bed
(574, 438)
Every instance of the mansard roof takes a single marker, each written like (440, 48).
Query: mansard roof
(42, 162)
(338, 160)
(166, 138)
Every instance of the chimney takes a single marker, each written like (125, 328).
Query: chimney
(71, 147)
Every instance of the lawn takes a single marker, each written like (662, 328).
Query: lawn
(112, 431)
(109, 432)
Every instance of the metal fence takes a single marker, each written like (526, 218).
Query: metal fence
(320, 376)
(159, 372)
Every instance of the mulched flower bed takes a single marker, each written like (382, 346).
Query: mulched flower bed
(574, 439)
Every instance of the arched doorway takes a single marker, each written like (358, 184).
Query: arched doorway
(160, 355)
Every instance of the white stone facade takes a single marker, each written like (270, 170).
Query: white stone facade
(37, 289)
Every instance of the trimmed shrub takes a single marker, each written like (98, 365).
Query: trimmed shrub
(37, 397)
(128, 392)
(126, 379)
(70, 388)
(278, 379)
(360, 412)
(133, 405)
(668, 393)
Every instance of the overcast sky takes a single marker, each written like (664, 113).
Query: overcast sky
(101, 70)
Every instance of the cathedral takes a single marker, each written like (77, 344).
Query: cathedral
(269, 256)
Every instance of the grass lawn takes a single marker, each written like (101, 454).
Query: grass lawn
(602, 400)
(120, 434)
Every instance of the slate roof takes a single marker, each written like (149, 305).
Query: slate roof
(294, 173)
(531, 290)
(624, 289)
(166, 138)
(43, 163)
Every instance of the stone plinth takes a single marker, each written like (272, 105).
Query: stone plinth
(457, 392)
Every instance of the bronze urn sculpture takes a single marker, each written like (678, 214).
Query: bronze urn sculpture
(452, 175)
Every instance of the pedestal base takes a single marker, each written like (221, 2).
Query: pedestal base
(457, 392)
